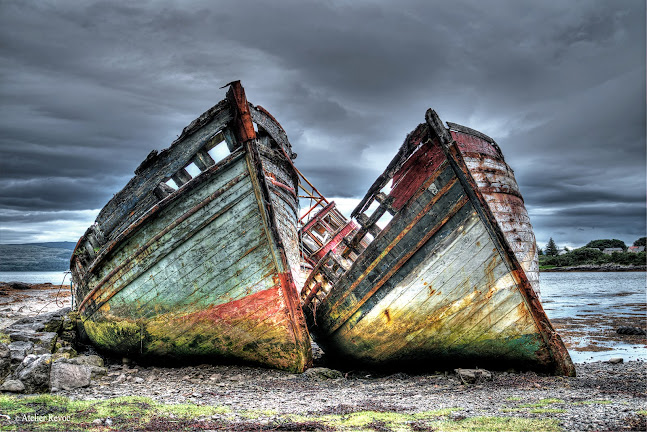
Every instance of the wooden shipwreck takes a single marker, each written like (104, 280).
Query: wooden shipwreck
(440, 285)
(203, 267)
(495, 181)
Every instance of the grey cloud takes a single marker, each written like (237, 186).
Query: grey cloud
(88, 89)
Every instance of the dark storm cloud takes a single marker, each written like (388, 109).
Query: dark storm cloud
(89, 88)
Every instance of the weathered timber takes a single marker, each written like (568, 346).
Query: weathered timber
(204, 272)
(496, 182)
(441, 284)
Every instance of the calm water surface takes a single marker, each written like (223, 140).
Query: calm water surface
(35, 277)
(595, 304)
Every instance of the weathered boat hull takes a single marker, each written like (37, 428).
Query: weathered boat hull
(496, 182)
(439, 286)
(205, 272)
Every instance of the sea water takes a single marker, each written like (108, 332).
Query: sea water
(53, 277)
(597, 302)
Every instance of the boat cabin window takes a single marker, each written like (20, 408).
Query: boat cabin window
(193, 169)
(171, 184)
(219, 152)
(332, 222)
(310, 244)
(217, 147)
(320, 233)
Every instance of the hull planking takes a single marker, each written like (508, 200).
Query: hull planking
(206, 272)
(439, 286)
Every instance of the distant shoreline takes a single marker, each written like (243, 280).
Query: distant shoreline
(597, 268)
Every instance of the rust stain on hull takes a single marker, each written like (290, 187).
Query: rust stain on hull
(496, 182)
(205, 269)
(376, 305)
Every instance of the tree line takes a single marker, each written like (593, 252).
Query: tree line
(591, 254)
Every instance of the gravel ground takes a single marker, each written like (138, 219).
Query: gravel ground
(603, 396)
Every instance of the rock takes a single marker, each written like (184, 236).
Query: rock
(138, 380)
(97, 422)
(41, 330)
(5, 361)
(89, 360)
(625, 330)
(470, 376)
(44, 341)
(69, 321)
(68, 350)
(47, 322)
(66, 376)
(34, 372)
(615, 360)
(19, 285)
(12, 386)
(69, 336)
(76, 372)
(60, 355)
(321, 373)
(120, 378)
(20, 349)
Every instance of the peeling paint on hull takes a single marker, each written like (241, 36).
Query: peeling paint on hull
(496, 182)
(439, 286)
(207, 271)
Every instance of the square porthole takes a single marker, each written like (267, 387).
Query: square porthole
(192, 169)
(219, 152)
(171, 184)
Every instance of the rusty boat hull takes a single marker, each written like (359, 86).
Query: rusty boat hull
(496, 182)
(203, 272)
(439, 286)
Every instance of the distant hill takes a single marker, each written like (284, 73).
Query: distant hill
(53, 256)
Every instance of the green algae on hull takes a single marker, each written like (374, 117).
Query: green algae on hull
(204, 269)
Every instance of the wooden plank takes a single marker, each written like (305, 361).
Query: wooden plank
(228, 175)
(120, 209)
(431, 260)
(130, 260)
(203, 160)
(434, 285)
(380, 244)
(334, 313)
(192, 267)
(165, 245)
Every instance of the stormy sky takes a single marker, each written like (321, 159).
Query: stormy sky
(88, 89)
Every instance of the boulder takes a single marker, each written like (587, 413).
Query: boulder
(616, 360)
(12, 386)
(19, 285)
(89, 360)
(5, 361)
(470, 376)
(34, 372)
(40, 330)
(321, 373)
(66, 376)
(47, 322)
(75, 372)
(19, 350)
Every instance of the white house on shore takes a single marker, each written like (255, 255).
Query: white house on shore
(636, 249)
(609, 251)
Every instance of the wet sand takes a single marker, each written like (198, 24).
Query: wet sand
(40, 298)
